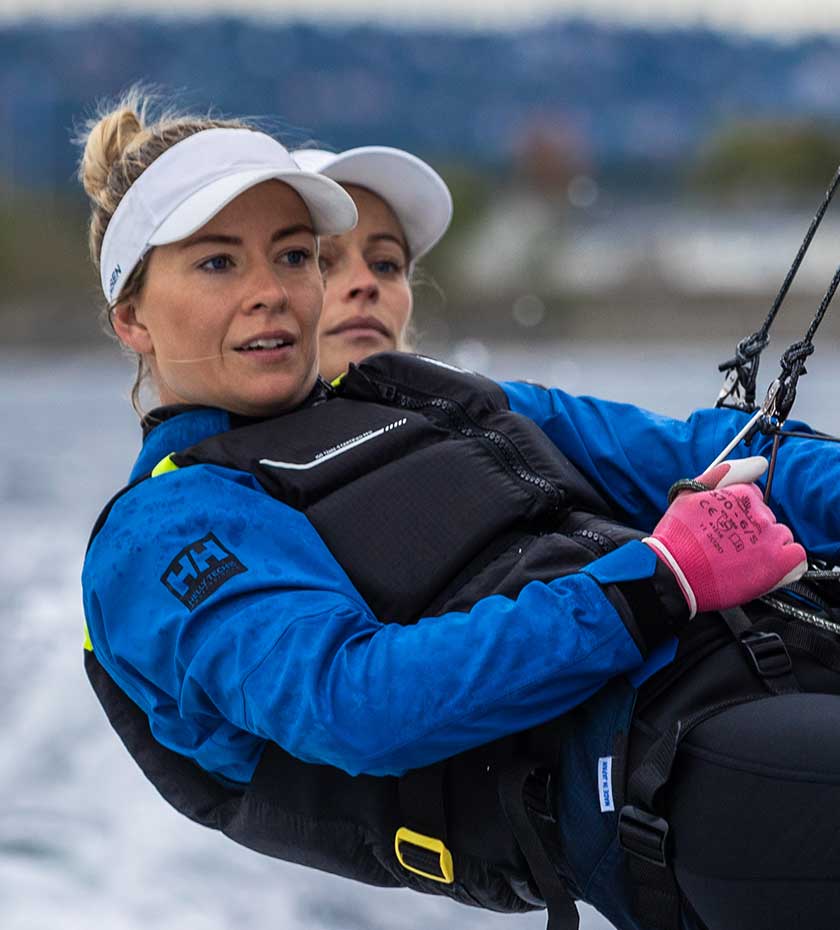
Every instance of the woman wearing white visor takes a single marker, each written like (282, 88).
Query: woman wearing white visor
(207, 176)
(404, 209)
(396, 629)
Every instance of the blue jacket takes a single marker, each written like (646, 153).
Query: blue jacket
(288, 651)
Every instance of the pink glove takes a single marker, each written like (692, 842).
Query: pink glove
(724, 545)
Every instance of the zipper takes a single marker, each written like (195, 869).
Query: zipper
(603, 543)
(466, 426)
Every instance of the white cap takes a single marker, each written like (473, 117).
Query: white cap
(416, 193)
(193, 180)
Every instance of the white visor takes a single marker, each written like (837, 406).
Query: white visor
(416, 193)
(191, 182)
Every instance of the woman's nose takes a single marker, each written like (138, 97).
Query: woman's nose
(265, 289)
(362, 284)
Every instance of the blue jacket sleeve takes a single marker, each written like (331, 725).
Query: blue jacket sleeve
(287, 650)
(633, 456)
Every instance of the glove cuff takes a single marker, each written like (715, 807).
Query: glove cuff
(679, 576)
(652, 606)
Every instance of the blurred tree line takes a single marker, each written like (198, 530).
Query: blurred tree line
(49, 292)
(767, 157)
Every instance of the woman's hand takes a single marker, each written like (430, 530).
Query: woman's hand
(723, 544)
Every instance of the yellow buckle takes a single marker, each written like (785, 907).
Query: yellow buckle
(424, 855)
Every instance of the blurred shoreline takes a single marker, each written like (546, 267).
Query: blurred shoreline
(635, 316)
(517, 266)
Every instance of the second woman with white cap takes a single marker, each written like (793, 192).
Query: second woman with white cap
(404, 209)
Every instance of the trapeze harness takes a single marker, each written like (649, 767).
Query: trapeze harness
(479, 827)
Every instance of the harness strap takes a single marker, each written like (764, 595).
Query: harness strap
(805, 639)
(519, 793)
(421, 800)
(642, 832)
(420, 842)
(766, 651)
(656, 890)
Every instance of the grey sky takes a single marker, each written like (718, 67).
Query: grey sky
(782, 17)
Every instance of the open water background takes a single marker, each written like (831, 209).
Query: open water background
(84, 840)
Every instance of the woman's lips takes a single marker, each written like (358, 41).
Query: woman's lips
(361, 327)
(268, 356)
(268, 347)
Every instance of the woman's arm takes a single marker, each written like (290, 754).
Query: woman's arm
(633, 456)
(278, 643)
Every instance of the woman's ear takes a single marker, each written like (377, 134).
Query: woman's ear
(130, 331)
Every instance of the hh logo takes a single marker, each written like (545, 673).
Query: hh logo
(199, 570)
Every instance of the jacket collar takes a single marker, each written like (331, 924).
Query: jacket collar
(174, 427)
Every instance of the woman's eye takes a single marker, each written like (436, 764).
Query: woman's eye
(217, 263)
(296, 257)
(385, 266)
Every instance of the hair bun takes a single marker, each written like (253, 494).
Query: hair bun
(107, 141)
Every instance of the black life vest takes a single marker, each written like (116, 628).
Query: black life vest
(431, 494)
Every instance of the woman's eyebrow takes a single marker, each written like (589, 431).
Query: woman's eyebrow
(220, 239)
(291, 231)
(379, 237)
(216, 238)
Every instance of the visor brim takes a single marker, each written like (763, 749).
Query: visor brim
(331, 208)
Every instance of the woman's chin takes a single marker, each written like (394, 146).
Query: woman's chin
(354, 351)
(268, 397)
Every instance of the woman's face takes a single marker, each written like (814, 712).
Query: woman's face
(228, 317)
(367, 296)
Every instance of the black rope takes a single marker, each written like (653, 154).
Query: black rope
(793, 361)
(771, 471)
(801, 434)
(742, 371)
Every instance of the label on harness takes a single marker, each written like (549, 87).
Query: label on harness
(605, 791)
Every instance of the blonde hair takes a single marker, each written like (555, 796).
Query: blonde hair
(120, 142)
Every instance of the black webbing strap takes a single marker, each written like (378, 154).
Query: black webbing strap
(421, 841)
(655, 891)
(771, 661)
(765, 649)
(421, 800)
(799, 636)
(517, 794)
(642, 832)
(737, 621)
(822, 648)
(644, 835)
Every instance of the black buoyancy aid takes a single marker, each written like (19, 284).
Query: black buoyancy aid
(431, 494)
